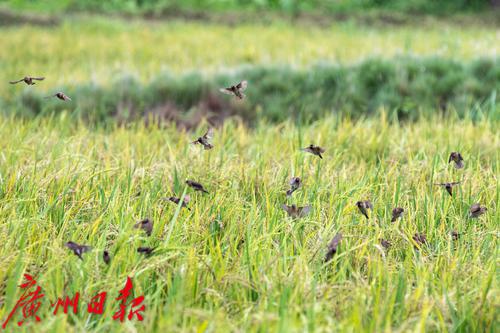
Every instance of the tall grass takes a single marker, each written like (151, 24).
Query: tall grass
(236, 262)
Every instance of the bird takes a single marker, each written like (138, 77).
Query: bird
(205, 139)
(106, 257)
(196, 186)
(146, 225)
(385, 243)
(78, 249)
(145, 250)
(295, 183)
(332, 247)
(448, 186)
(295, 212)
(420, 239)
(457, 158)
(397, 213)
(236, 90)
(315, 150)
(364, 206)
(61, 96)
(28, 80)
(477, 210)
(455, 235)
(176, 200)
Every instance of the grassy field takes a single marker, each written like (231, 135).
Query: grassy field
(97, 50)
(235, 261)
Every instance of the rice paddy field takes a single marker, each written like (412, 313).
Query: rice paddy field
(233, 260)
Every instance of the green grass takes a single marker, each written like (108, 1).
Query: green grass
(260, 271)
(96, 50)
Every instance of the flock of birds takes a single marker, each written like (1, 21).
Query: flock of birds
(293, 210)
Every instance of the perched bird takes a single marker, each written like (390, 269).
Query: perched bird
(385, 243)
(196, 186)
(176, 200)
(364, 206)
(106, 257)
(146, 225)
(315, 150)
(457, 158)
(448, 186)
(78, 249)
(397, 213)
(332, 247)
(236, 90)
(28, 80)
(295, 183)
(455, 235)
(295, 212)
(61, 96)
(205, 139)
(477, 210)
(420, 239)
(145, 250)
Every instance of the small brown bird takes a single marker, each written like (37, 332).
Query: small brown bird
(145, 250)
(196, 186)
(296, 212)
(397, 213)
(61, 96)
(315, 150)
(106, 257)
(385, 243)
(457, 158)
(205, 139)
(295, 183)
(78, 249)
(28, 80)
(146, 225)
(448, 186)
(477, 210)
(364, 206)
(455, 235)
(186, 200)
(332, 247)
(236, 90)
(420, 239)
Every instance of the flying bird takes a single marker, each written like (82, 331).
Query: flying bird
(448, 186)
(457, 158)
(145, 250)
(332, 247)
(420, 239)
(364, 206)
(296, 212)
(295, 183)
(61, 96)
(477, 210)
(236, 90)
(397, 213)
(106, 257)
(78, 249)
(28, 80)
(315, 150)
(196, 186)
(146, 225)
(176, 200)
(205, 139)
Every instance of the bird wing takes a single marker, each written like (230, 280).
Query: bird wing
(303, 211)
(209, 134)
(226, 91)
(335, 241)
(286, 209)
(14, 82)
(242, 85)
(368, 204)
(450, 158)
(38, 78)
